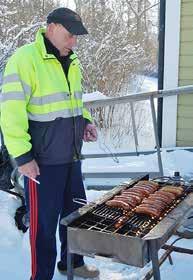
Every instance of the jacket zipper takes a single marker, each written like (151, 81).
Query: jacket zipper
(77, 155)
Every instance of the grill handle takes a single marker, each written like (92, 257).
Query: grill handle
(80, 201)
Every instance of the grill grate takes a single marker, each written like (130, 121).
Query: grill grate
(103, 218)
(107, 212)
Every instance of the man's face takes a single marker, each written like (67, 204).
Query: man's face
(63, 40)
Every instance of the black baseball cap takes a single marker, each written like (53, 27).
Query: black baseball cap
(69, 19)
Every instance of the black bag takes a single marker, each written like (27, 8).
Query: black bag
(6, 169)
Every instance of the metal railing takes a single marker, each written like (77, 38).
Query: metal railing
(131, 99)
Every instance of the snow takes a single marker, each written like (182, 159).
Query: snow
(144, 163)
(93, 96)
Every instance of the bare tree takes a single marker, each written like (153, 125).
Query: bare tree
(120, 46)
(18, 23)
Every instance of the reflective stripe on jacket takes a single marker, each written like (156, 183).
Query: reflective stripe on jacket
(35, 95)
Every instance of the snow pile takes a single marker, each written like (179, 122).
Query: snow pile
(93, 96)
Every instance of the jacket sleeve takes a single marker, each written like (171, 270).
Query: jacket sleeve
(15, 95)
(87, 115)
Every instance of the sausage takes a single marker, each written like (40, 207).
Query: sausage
(167, 200)
(156, 206)
(142, 190)
(132, 194)
(161, 196)
(149, 187)
(129, 201)
(164, 194)
(148, 211)
(135, 196)
(175, 187)
(169, 194)
(175, 190)
(152, 190)
(136, 192)
(152, 203)
(155, 201)
(118, 204)
(154, 184)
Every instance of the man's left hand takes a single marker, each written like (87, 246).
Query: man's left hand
(90, 133)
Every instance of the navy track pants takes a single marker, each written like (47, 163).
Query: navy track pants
(48, 202)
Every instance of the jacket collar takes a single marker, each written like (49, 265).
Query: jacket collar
(46, 54)
(40, 44)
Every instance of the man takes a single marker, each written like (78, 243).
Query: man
(43, 123)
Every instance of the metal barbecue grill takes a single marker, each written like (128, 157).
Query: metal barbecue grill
(92, 232)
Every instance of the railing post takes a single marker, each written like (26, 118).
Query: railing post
(134, 127)
(156, 135)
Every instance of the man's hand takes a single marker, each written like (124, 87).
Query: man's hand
(90, 133)
(29, 169)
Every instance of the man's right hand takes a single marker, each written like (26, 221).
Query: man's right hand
(30, 169)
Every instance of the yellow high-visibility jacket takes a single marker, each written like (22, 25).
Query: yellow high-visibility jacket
(42, 114)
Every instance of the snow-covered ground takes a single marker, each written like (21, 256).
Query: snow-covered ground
(172, 161)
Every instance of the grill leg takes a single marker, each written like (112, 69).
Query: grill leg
(70, 274)
(154, 259)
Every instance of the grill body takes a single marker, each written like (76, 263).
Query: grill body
(128, 250)
(91, 234)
